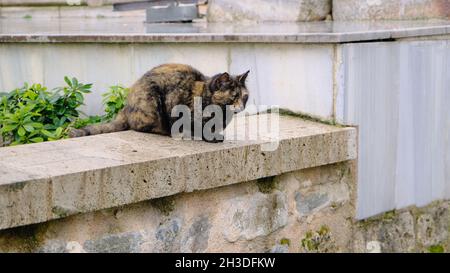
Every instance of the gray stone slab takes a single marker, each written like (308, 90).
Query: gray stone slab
(128, 30)
(40, 182)
(390, 9)
(268, 10)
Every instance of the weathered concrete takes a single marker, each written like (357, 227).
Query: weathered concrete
(267, 10)
(40, 182)
(255, 216)
(411, 229)
(390, 9)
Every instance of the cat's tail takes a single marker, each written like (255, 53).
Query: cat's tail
(119, 124)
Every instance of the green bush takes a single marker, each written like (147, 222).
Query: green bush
(33, 114)
(114, 100)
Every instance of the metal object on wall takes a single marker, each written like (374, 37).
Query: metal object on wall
(163, 11)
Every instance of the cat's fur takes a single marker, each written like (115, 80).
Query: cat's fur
(153, 96)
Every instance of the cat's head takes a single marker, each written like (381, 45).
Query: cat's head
(229, 90)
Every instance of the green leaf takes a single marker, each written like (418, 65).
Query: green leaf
(59, 131)
(37, 125)
(28, 127)
(47, 133)
(67, 80)
(21, 131)
(9, 128)
(79, 97)
(37, 139)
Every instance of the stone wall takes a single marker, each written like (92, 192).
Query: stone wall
(309, 10)
(311, 210)
(244, 10)
(271, 214)
(268, 10)
(390, 9)
(408, 230)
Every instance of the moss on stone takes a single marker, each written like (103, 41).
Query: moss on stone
(61, 212)
(164, 204)
(17, 186)
(286, 112)
(24, 238)
(285, 241)
(389, 215)
(266, 184)
(385, 217)
(318, 241)
(436, 249)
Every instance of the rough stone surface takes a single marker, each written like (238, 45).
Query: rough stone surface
(433, 225)
(408, 230)
(255, 216)
(280, 249)
(196, 239)
(390, 9)
(268, 10)
(53, 246)
(115, 243)
(52, 180)
(394, 234)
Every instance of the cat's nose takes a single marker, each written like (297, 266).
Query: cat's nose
(238, 107)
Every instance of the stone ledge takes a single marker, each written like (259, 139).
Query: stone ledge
(40, 182)
(121, 30)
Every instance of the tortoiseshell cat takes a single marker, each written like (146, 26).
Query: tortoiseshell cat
(157, 92)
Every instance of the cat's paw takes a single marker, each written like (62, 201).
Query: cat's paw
(76, 133)
(214, 140)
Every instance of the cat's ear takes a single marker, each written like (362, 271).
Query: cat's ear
(220, 80)
(243, 77)
(223, 78)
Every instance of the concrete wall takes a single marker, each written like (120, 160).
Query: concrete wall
(294, 76)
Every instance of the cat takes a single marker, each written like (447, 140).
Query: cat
(151, 99)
